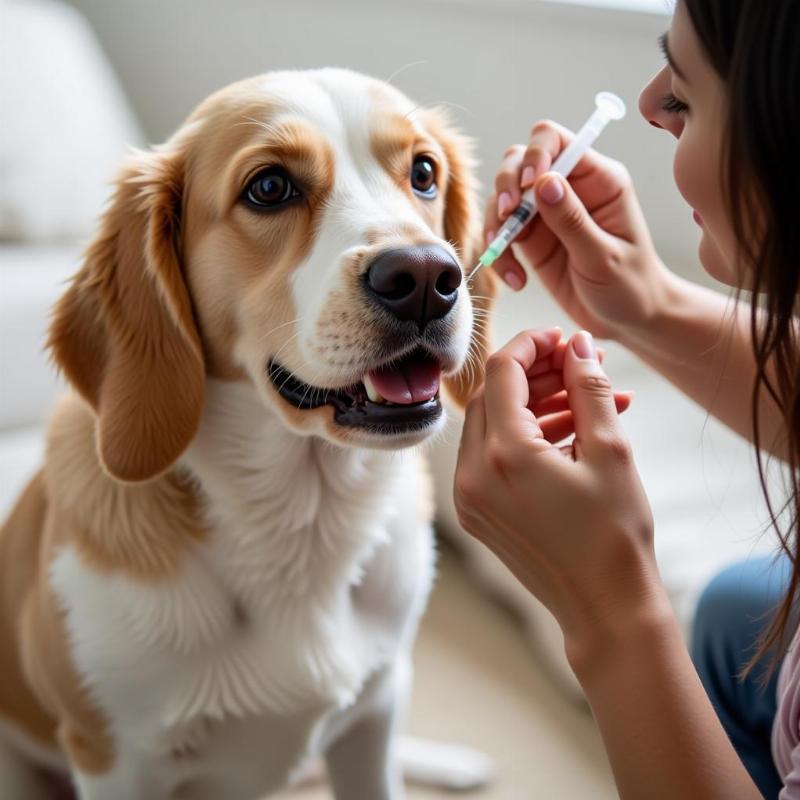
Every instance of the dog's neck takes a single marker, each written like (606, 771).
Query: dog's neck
(289, 514)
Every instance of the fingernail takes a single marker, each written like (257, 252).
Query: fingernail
(528, 174)
(552, 192)
(490, 237)
(503, 204)
(583, 345)
(513, 280)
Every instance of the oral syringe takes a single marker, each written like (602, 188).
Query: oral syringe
(609, 107)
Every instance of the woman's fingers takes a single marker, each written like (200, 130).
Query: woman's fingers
(473, 432)
(550, 405)
(506, 182)
(568, 218)
(544, 145)
(522, 165)
(557, 427)
(547, 140)
(506, 390)
(591, 399)
(544, 386)
(557, 421)
(560, 402)
(555, 361)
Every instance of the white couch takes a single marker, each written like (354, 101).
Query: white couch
(700, 478)
(65, 125)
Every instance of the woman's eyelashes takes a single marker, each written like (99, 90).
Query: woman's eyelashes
(672, 105)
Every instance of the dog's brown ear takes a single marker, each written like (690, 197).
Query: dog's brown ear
(124, 333)
(463, 227)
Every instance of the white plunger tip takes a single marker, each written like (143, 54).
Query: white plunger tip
(611, 105)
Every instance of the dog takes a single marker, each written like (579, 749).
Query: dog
(218, 573)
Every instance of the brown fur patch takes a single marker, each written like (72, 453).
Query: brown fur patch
(140, 530)
(82, 730)
(124, 333)
(239, 261)
(39, 688)
(395, 142)
(20, 539)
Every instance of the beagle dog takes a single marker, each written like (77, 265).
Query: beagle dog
(217, 575)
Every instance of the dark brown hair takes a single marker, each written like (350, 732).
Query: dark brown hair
(753, 45)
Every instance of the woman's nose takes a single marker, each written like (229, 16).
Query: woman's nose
(651, 104)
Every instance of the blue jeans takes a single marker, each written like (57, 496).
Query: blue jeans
(733, 609)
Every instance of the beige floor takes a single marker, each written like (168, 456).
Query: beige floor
(477, 683)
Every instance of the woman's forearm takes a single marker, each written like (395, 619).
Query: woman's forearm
(700, 341)
(661, 733)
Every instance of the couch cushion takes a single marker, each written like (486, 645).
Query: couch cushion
(21, 454)
(66, 123)
(32, 278)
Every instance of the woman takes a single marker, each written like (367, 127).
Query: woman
(572, 522)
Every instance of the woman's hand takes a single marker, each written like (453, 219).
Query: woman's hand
(571, 522)
(589, 244)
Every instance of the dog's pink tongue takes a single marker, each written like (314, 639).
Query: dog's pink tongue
(413, 382)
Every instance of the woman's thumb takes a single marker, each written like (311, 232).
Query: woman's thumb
(591, 398)
(567, 217)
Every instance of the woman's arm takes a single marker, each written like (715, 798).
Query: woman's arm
(574, 525)
(700, 341)
(662, 736)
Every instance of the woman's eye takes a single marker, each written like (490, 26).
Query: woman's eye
(672, 105)
(270, 188)
(423, 176)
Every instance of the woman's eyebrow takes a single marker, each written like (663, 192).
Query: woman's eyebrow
(662, 41)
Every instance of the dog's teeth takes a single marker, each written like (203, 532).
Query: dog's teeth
(373, 394)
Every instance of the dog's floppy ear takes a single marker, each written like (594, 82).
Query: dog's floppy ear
(124, 333)
(463, 227)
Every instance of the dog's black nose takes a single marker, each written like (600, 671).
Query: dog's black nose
(415, 283)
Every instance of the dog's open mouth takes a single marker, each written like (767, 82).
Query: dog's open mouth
(394, 398)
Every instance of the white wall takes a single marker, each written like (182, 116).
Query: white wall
(502, 63)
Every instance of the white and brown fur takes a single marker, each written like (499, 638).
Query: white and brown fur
(203, 588)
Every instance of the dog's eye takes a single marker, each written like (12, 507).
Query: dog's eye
(423, 176)
(270, 188)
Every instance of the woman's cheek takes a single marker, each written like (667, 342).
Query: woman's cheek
(697, 179)
(685, 172)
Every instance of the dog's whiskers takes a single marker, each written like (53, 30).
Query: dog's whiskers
(278, 327)
(266, 126)
(406, 67)
(433, 103)
(285, 345)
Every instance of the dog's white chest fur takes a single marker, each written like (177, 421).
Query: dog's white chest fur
(317, 565)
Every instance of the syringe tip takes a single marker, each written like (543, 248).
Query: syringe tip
(488, 257)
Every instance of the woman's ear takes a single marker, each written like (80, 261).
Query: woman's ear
(124, 333)
(463, 227)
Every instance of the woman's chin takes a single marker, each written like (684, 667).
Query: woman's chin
(719, 266)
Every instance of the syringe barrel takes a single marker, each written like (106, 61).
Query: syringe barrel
(583, 140)
(516, 221)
